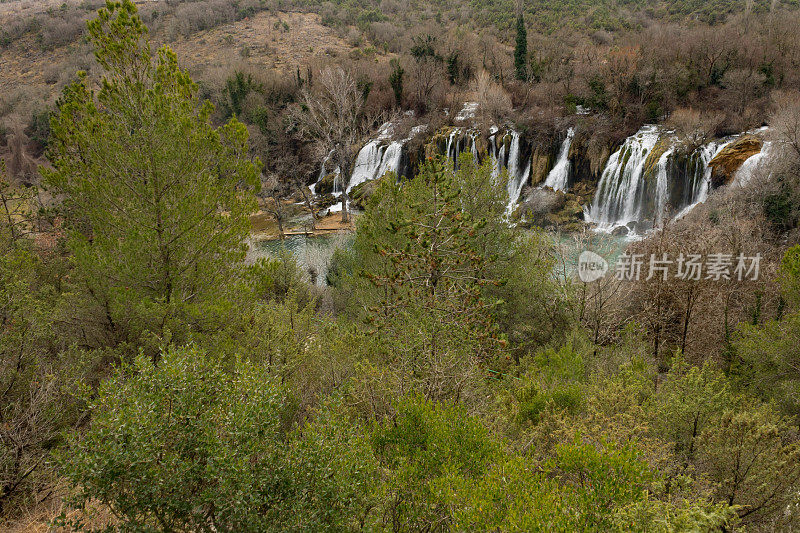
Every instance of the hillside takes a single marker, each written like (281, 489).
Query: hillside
(399, 266)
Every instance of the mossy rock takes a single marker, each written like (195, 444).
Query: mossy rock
(730, 159)
(589, 156)
(325, 185)
(651, 162)
(327, 200)
(584, 192)
(541, 164)
(361, 193)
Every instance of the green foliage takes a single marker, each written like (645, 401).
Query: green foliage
(274, 279)
(604, 477)
(779, 209)
(237, 88)
(444, 281)
(396, 81)
(756, 468)
(688, 402)
(599, 97)
(533, 309)
(534, 401)
(586, 487)
(38, 129)
(768, 361)
(190, 445)
(424, 48)
(454, 69)
(427, 250)
(514, 495)
(419, 446)
(521, 50)
(35, 383)
(790, 274)
(157, 199)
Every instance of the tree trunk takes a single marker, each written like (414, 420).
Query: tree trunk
(310, 207)
(344, 207)
(279, 220)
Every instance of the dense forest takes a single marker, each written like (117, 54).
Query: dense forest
(448, 365)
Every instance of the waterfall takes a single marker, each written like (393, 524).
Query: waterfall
(323, 171)
(618, 198)
(751, 165)
(662, 186)
(558, 176)
(505, 153)
(460, 141)
(518, 174)
(381, 155)
(701, 177)
(637, 197)
(374, 160)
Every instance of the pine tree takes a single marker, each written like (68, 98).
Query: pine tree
(156, 199)
(521, 50)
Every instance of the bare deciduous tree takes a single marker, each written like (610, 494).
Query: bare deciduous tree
(785, 121)
(333, 115)
(694, 127)
(493, 99)
(274, 191)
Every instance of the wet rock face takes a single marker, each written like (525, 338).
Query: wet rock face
(547, 208)
(730, 159)
(361, 193)
(588, 158)
(325, 185)
(541, 163)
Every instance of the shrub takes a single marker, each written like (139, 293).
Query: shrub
(418, 447)
(189, 445)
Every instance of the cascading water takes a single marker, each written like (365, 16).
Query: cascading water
(558, 177)
(615, 202)
(374, 160)
(380, 156)
(324, 171)
(629, 194)
(697, 193)
(459, 142)
(505, 149)
(752, 165)
(518, 174)
(662, 186)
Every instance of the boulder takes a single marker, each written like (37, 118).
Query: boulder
(327, 200)
(620, 231)
(325, 185)
(541, 163)
(730, 159)
(361, 193)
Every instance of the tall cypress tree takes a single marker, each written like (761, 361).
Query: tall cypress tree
(521, 50)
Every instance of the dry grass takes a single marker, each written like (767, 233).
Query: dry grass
(268, 43)
(261, 41)
(39, 520)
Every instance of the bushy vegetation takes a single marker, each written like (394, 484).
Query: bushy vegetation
(451, 376)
